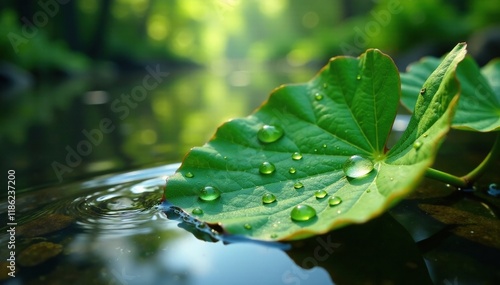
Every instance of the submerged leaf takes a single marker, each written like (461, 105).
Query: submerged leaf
(479, 105)
(346, 110)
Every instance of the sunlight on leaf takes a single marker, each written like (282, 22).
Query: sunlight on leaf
(479, 105)
(266, 174)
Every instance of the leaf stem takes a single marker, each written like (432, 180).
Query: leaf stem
(488, 160)
(467, 180)
(446, 178)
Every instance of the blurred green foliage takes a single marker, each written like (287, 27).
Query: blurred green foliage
(206, 32)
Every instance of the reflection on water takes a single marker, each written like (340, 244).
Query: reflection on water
(121, 236)
(69, 129)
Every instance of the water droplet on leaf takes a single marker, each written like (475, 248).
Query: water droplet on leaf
(269, 133)
(189, 175)
(292, 170)
(357, 166)
(298, 185)
(334, 201)
(209, 193)
(358, 77)
(248, 226)
(302, 213)
(274, 235)
(320, 194)
(197, 211)
(267, 168)
(318, 96)
(422, 91)
(296, 155)
(268, 198)
(417, 145)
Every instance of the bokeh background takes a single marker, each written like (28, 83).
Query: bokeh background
(99, 86)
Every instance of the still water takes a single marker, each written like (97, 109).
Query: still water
(91, 163)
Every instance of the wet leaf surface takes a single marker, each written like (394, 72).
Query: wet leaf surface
(338, 123)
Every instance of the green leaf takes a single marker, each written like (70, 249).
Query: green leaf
(347, 109)
(479, 105)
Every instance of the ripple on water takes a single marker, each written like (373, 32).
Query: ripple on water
(118, 209)
(116, 205)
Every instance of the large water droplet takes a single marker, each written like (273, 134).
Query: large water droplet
(267, 168)
(298, 185)
(320, 194)
(292, 170)
(209, 193)
(189, 175)
(269, 133)
(296, 155)
(334, 201)
(197, 211)
(302, 213)
(268, 198)
(318, 96)
(357, 166)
